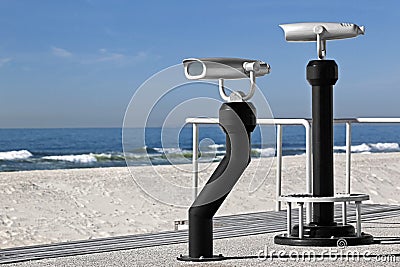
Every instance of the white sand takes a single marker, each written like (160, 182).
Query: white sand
(40, 207)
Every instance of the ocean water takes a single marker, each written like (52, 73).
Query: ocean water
(38, 149)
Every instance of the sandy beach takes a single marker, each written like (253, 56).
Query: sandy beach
(39, 207)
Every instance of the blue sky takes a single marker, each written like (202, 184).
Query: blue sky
(78, 63)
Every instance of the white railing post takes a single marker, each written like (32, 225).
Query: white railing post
(195, 159)
(348, 156)
(289, 218)
(278, 183)
(358, 218)
(344, 213)
(301, 223)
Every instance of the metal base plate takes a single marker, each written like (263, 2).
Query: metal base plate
(364, 239)
(328, 236)
(325, 231)
(201, 259)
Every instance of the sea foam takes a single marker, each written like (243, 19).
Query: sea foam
(16, 154)
(84, 158)
(385, 146)
(264, 152)
(168, 150)
(378, 147)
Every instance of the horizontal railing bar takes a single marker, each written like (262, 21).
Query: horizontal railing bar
(295, 121)
(378, 120)
(259, 121)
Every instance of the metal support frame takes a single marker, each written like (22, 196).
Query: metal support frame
(236, 96)
(344, 198)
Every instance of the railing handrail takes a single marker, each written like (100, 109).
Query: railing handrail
(287, 120)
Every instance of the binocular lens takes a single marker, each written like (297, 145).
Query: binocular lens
(195, 68)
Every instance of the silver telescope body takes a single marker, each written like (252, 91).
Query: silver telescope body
(223, 68)
(226, 69)
(320, 32)
(307, 31)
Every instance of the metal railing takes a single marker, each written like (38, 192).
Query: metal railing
(279, 124)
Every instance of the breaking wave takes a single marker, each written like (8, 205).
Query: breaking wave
(15, 155)
(374, 147)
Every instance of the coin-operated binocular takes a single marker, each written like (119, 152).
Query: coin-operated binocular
(320, 32)
(322, 74)
(237, 118)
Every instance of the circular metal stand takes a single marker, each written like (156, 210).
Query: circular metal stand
(323, 235)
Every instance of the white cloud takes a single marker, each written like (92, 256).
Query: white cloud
(4, 61)
(141, 55)
(60, 52)
(106, 56)
(103, 55)
(111, 57)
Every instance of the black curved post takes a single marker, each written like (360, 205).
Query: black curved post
(237, 120)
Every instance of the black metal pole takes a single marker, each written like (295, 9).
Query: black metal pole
(322, 75)
(238, 120)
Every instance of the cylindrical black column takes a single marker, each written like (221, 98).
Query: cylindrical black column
(322, 75)
(238, 120)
